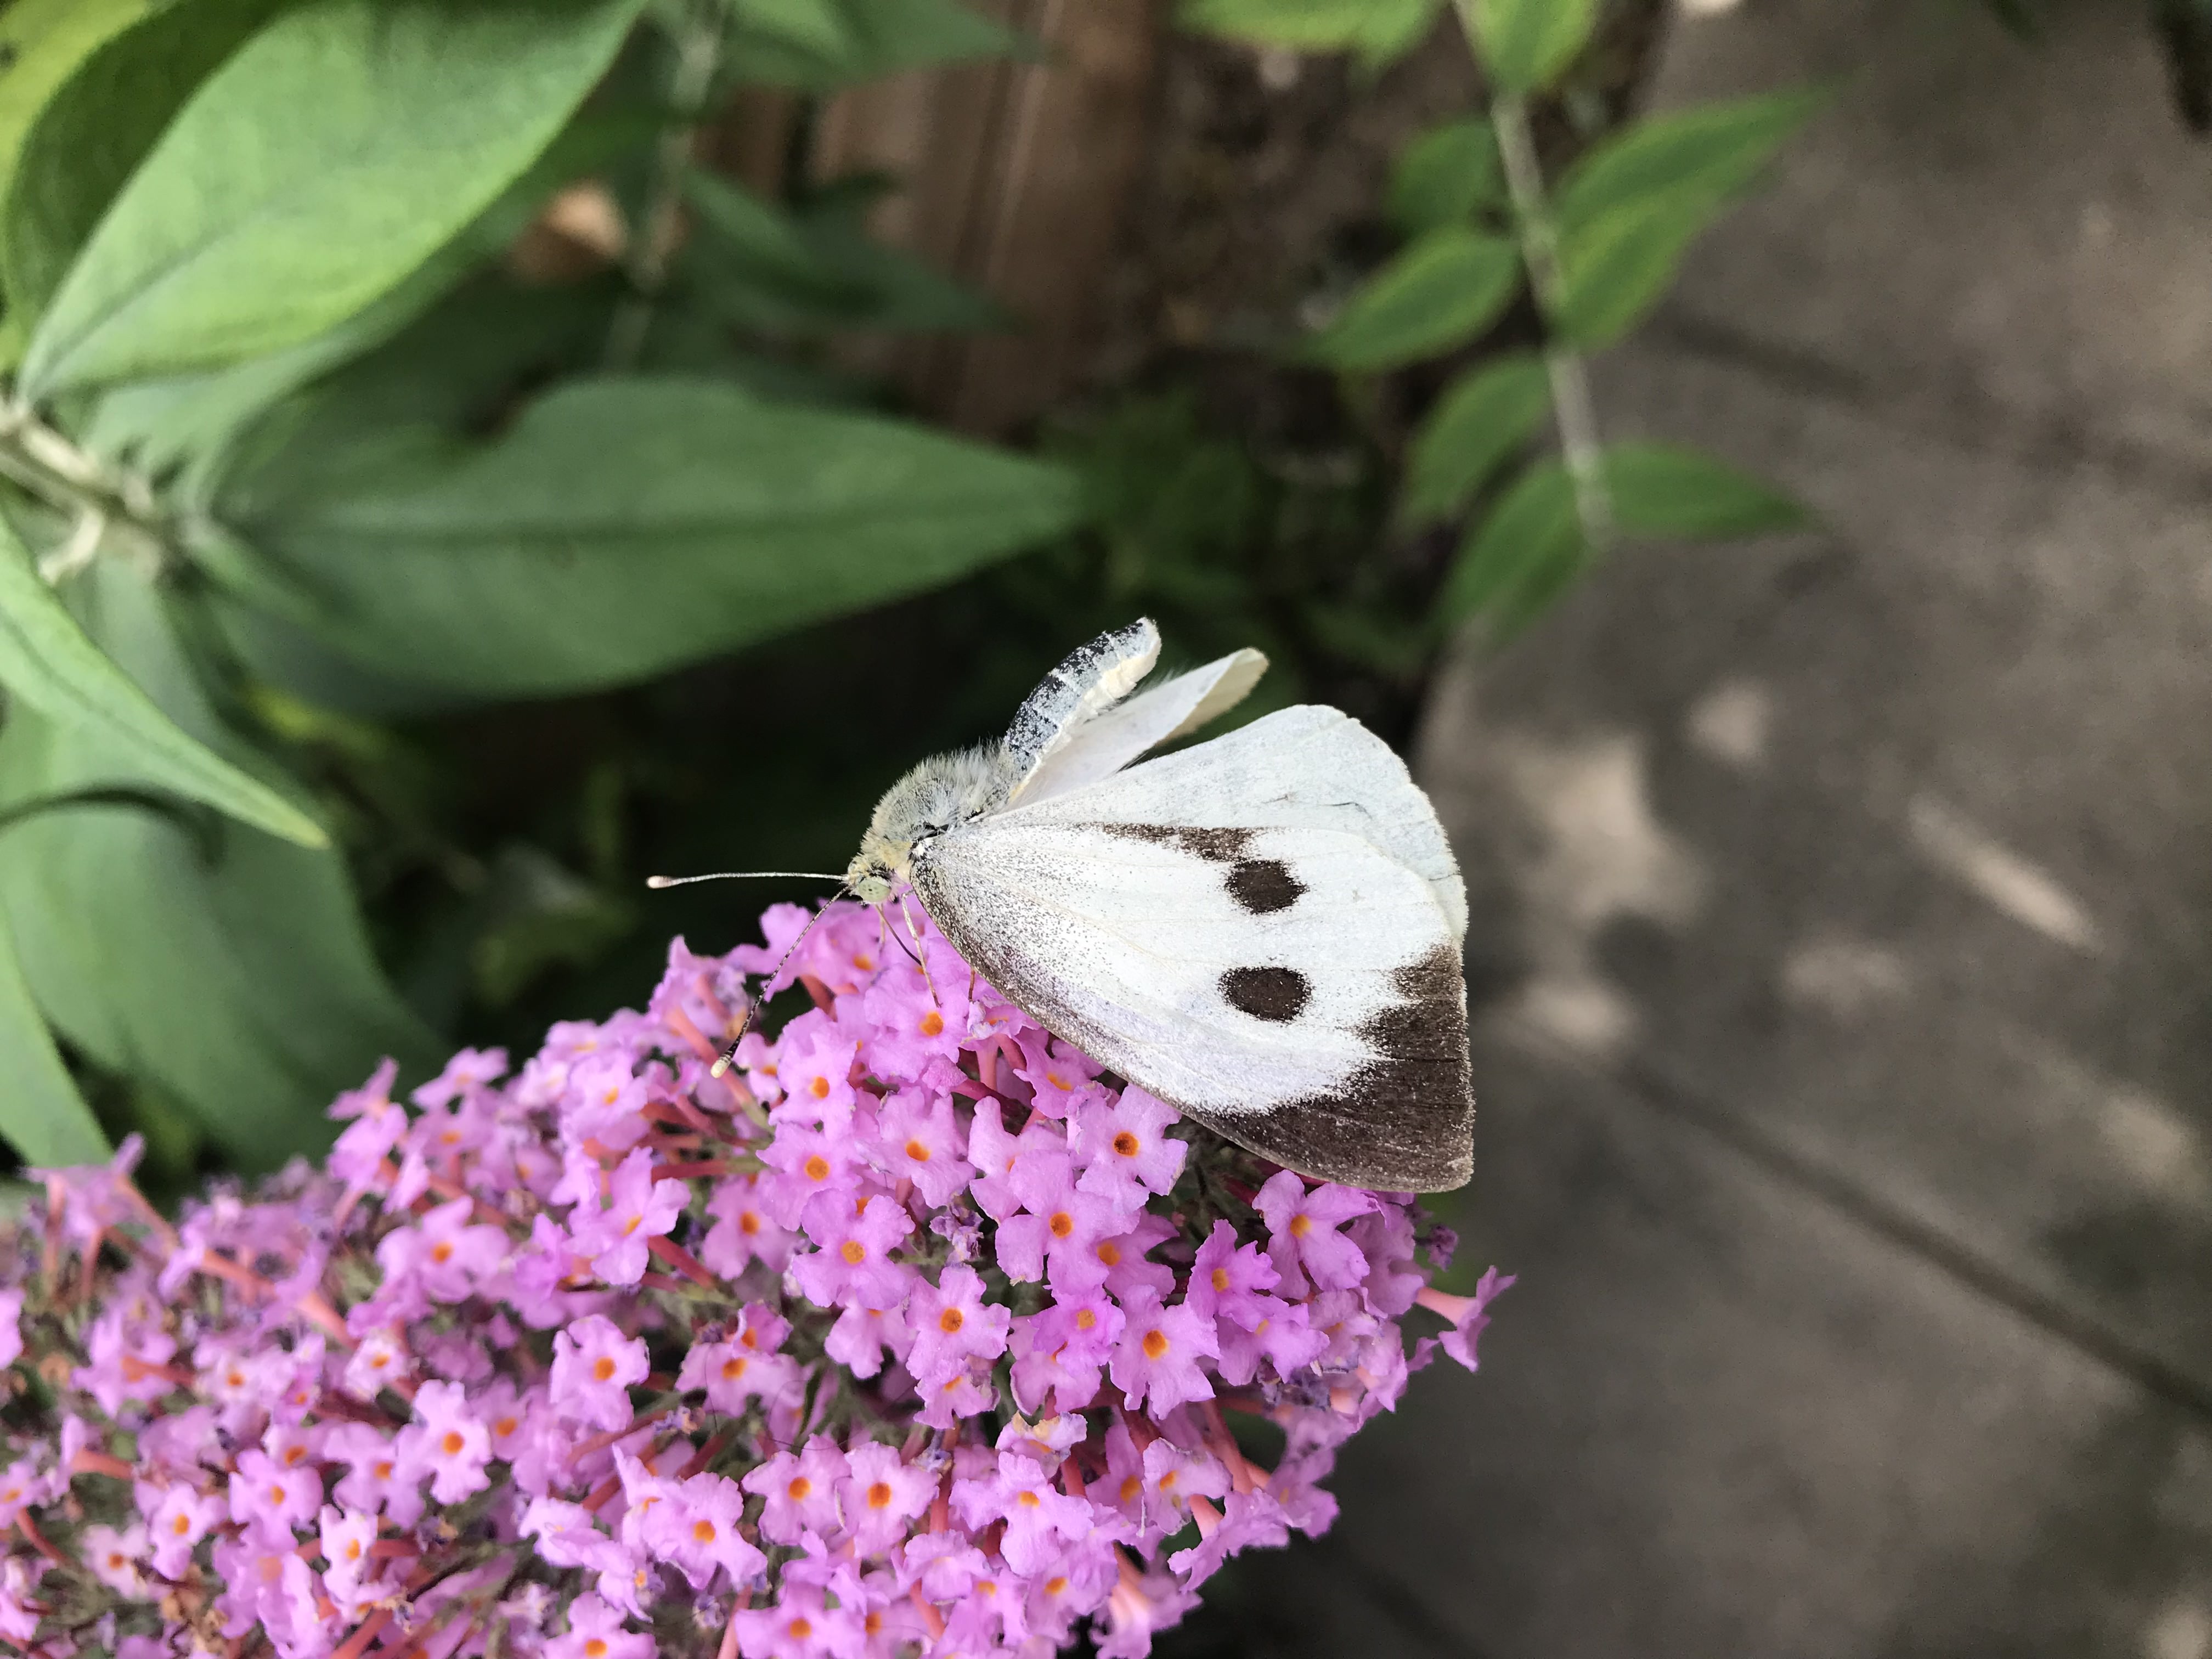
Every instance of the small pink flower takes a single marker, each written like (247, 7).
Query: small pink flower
(270, 1500)
(919, 1142)
(702, 1530)
(450, 1442)
(639, 1209)
(594, 1368)
(881, 1496)
(854, 1266)
(1125, 1153)
(177, 1518)
(1306, 1244)
(953, 1327)
(116, 1558)
(596, 1630)
(799, 1493)
(1159, 1361)
(1468, 1316)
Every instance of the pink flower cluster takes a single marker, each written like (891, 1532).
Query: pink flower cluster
(915, 1335)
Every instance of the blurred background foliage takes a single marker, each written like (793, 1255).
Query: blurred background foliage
(434, 495)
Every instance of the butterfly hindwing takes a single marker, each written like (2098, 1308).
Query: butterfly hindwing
(1263, 931)
(1102, 744)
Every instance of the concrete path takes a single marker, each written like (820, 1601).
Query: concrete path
(1845, 922)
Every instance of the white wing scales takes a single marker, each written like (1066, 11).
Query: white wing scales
(1105, 742)
(1263, 930)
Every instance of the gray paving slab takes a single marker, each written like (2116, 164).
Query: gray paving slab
(1982, 233)
(1891, 841)
(1719, 1417)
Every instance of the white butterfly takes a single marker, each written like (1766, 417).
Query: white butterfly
(1263, 930)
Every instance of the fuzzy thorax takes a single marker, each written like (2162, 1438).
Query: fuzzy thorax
(941, 793)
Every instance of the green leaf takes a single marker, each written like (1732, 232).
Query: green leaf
(1531, 541)
(765, 268)
(621, 525)
(1379, 30)
(1440, 293)
(47, 661)
(1706, 155)
(98, 128)
(1445, 177)
(326, 159)
(244, 986)
(1662, 490)
(42, 1116)
(41, 42)
(1614, 271)
(1482, 417)
(788, 43)
(156, 426)
(1525, 43)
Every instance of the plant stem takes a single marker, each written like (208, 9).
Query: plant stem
(100, 501)
(1573, 410)
(698, 54)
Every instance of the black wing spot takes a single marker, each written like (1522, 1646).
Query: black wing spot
(1264, 886)
(1215, 845)
(1275, 995)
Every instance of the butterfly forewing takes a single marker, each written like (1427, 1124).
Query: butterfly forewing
(1263, 931)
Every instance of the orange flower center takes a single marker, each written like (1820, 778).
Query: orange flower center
(1131, 1487)
(819, 1088)
(703, 1531)
(381, 1470)
(1061, 1224)
(917, 1151)
(441, 1252)
(353, 1549)
(734, 1367)
(1221, 1278)
(1301, 1225)
(798, 1630)
(181, 1525)
(817, 1167)
(1055, 1585)
(1029, 1500)
(603, 1368)
(853, 1251)
(800, 1487)
(1126, 1143)
(950, 1320)
(1110, 1252)
(749, 1224)
(1156, 1344)
(1084, 1319)
(453, 1443)
(932, 1024)
(596, 1648)
(879, 1495)
(504, 1427)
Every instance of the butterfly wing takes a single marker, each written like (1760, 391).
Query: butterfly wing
(1092, 679)
(1263, 931)
(1106, 742)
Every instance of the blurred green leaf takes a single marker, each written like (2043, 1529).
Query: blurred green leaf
(1378, 30)
(160, 425)
(1662, 491)
(41, 44)
(1613, 273)
(623, 526)
(42, 1116)
(1445, 177)
(98, 126)
(47, 660)
(534, 916)
(1440, 293)
(326, 159)
(1482, 417)
(1530, 541)
(765, 268)
(243, 987)
(1525, 44)
(791, 42)
(1702, 155)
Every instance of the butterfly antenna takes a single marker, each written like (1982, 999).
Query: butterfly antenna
(740, 875)
(729, 1054)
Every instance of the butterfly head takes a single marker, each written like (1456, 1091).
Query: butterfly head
(942, 794)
